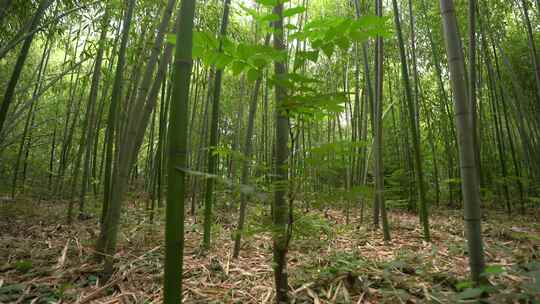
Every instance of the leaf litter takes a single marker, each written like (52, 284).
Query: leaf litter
(43, 260)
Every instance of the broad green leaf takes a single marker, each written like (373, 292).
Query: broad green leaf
(238, 67)
(259, 61)
(253, 74)
(464, 285)
(493, 270)
(343, 43)
(250, 11)
(293, 11)
(222, 60)
(197, 51)
(244, 51)
(328, 49)
(269, 3)
(268, 18)
(228, 45)
(290, 26)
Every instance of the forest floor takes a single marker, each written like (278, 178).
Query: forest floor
(43, 260)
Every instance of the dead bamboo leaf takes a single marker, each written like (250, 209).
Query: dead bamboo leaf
(62, 258)
(313, 295)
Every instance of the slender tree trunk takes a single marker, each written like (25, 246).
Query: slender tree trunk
(202, 142)
(67, 152)
(419, 96)
(97, 171)
(434, 156)
(52, 153)
(511, 141)
(449, 131)
(214, 129)
(530, 150)
(500, 149)
(26, 31)
(472, 86)
(248, 151)
(94, 87)
(415, 131)
(280, 212)
(72, 116)
(83, 143)
(163, 108)
(28, 123)
(378, 132)
(235, 141)
(105, 234)
(532, 47)
(498, 128)
(414, 64)
(194, 100)
(517, 169)
(369, 101)
(27, 151)
(133, 135)
(469, 184)
(174, 229)
(19, 65)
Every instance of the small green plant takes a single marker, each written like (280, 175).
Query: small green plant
(23, 266)
(468, 291)
(60, 292)
(92, 279)
(311, 225)
(344, 262)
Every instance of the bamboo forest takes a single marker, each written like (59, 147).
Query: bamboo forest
(270, 151)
